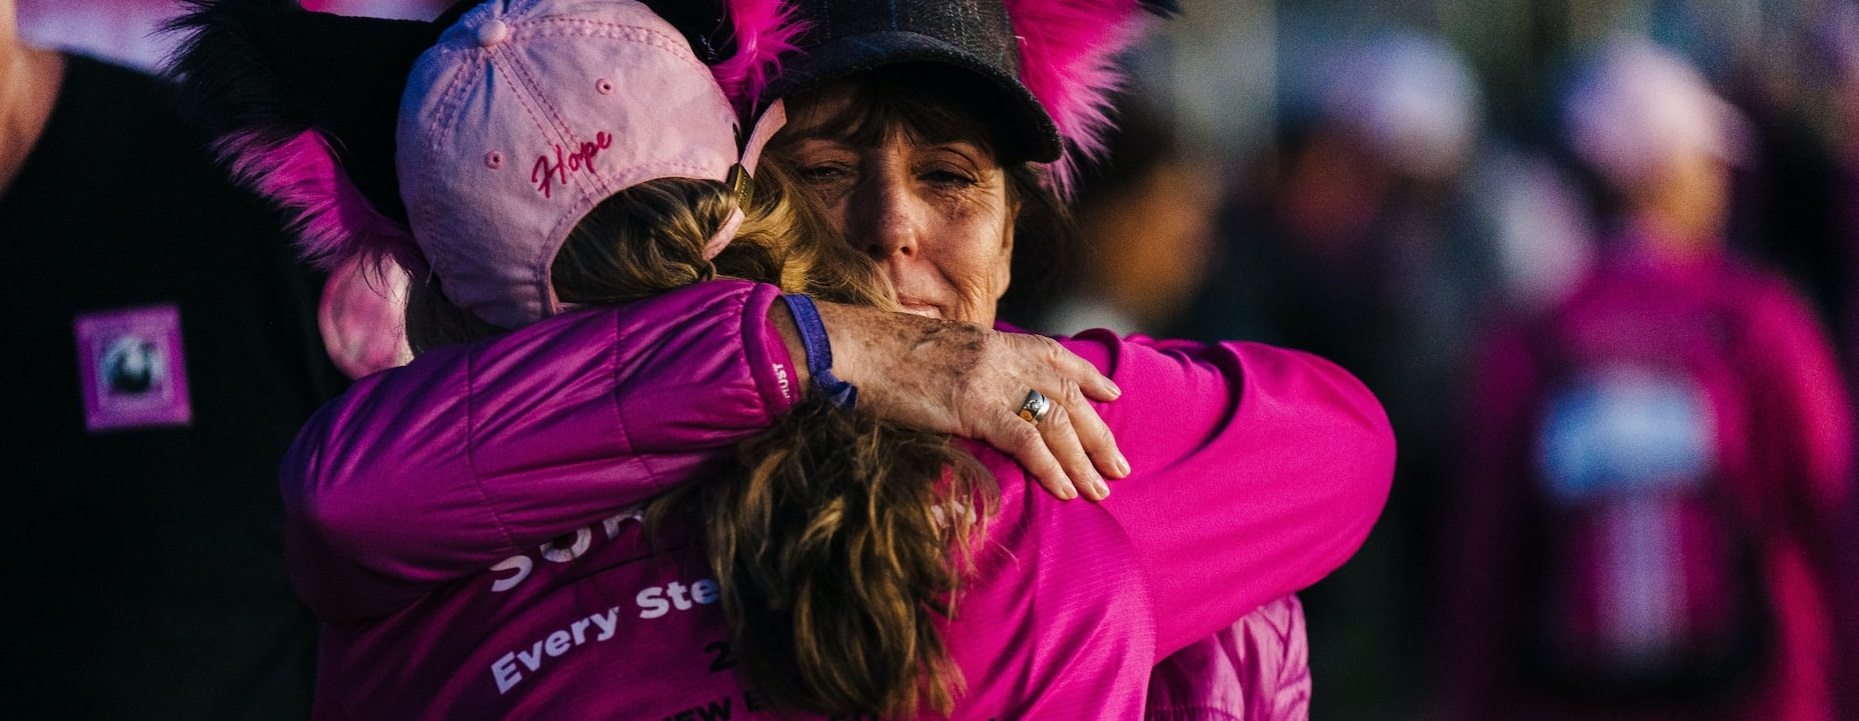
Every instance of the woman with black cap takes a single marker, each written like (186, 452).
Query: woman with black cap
(436, 618)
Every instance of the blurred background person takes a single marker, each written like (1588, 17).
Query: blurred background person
(1657, 463)
(358, 315)
(128, 31)
(1145, 218)
(165, 351)
(1358, 242)
(1144, 215)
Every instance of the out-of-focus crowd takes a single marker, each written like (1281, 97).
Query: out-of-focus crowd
(1604, 286)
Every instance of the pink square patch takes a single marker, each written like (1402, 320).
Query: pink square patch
(132, 368)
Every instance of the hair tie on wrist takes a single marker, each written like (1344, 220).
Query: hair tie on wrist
(819, 352)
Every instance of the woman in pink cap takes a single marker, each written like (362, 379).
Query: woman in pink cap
(466, 526)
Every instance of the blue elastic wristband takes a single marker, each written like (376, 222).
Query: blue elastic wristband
(819, 352)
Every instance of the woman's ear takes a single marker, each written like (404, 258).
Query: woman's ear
(1003, 267)
(1003, 270)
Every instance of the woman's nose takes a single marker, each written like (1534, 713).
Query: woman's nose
(890, 219)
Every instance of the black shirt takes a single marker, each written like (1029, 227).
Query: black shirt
(142, 523)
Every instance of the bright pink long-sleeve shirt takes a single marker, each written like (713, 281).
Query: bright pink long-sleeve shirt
(462, 525)
(1791, 471)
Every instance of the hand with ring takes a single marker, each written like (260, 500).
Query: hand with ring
(1020, 393)
(1035, 407)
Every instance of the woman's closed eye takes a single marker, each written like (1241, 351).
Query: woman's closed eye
(829, 181)
(950, 166)
(948, 178)
(826, 171)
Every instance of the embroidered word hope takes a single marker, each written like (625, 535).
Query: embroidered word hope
(547, 172)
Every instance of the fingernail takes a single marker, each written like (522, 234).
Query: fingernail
(1123, 465)
(1067, 493)
(1114, 390)
(1103, 489)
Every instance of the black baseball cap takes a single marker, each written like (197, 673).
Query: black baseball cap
(846, 37)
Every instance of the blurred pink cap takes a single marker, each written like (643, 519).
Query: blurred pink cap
(1642, 109)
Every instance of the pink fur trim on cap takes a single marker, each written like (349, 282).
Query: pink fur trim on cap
(1068, 54)
(335, 223)
(764, 30)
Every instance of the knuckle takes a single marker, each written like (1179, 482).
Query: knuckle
(1051, 349)
(1025, 436)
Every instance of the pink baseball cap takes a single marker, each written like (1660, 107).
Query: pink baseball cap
(527, 114)
(1640, 107)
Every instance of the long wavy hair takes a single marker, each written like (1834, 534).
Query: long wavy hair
(842, 540)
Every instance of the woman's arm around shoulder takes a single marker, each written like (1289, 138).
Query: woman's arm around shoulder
(427, 473)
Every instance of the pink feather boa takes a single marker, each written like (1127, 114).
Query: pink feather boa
(1068, 59)
(335, 223)
(765, 29)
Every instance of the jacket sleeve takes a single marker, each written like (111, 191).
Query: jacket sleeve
(1256, 471)
(437, 470)
(1258, 669)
